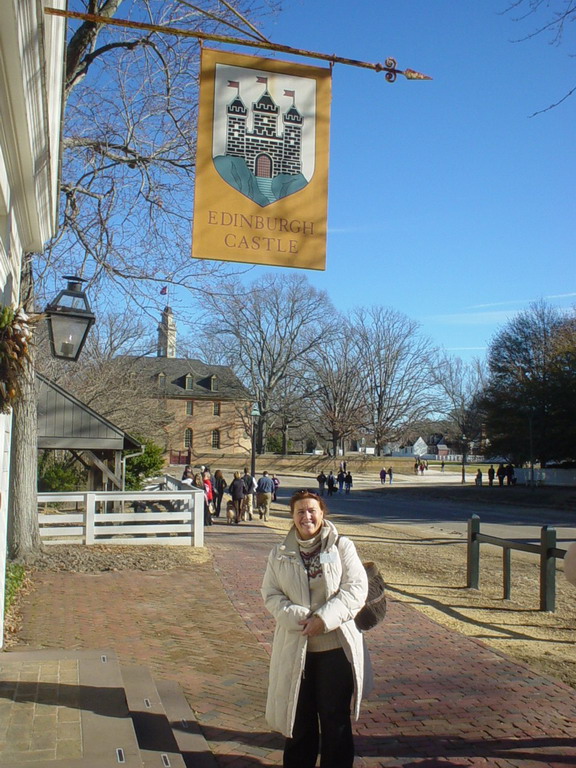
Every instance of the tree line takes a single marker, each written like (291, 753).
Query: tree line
(370, 375)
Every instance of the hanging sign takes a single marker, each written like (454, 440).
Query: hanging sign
(261, 190)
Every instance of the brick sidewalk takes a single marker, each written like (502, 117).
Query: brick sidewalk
(441, 699)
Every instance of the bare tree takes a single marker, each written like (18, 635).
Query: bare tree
(461, 386)
(128, 149)
(338, 396)
(548, 19)
(288, 410)
(394, 365)
(265, 330)
(127, 168)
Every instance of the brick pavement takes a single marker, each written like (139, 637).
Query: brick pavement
(441, 699)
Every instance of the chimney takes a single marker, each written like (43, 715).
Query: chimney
(167, 334)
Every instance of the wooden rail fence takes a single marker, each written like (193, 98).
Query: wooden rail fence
(546, 550)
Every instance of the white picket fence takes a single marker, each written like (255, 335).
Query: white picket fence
(174, 518)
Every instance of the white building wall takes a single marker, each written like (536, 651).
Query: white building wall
(31, 70)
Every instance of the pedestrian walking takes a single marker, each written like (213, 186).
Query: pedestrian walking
(313, 586)
(249, 491)
(209, 497)
(510, 477)
(264, 492)
(348, 482)
(478, 478)
(390, 475)
(330, 483)
(219, 488)
(501, 474)
(340, 478)
(321, 480)
(276, 486)
(383, 475)
(236, 490)
(491, 474)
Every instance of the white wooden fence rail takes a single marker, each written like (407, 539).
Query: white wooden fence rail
(174, 518)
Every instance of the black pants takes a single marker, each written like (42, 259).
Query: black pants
(323, 708)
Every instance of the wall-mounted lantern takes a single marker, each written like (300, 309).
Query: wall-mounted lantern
(69, 320)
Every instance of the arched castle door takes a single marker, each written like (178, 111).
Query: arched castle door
(264, 166)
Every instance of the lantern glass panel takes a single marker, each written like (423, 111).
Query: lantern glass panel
(68, 334)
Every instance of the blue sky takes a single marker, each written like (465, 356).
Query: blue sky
(447, 201)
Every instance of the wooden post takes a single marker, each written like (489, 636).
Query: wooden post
(473, 559)
(547, 568)
(90, 502)
(506, 572)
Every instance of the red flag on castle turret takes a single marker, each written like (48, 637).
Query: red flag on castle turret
(262, 80)
(233, 84)
(289, 93)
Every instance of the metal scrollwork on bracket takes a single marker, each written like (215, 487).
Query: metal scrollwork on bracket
(390, 66)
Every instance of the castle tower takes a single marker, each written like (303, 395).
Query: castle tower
(265, 116)
(236, 127)
(167, 334)
(292, 149)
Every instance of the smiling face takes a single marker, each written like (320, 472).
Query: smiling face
(308, 517)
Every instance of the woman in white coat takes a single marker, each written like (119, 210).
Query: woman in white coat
(314, 585)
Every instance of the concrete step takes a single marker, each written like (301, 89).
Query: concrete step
(158, 746)
(64, 709)
(191, 742)
(80, 709)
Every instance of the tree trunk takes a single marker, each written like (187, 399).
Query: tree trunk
(23, 529)
(334, 444)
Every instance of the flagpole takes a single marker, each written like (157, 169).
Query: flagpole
(389, 66)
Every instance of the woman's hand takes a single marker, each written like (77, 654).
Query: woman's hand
(312, 626)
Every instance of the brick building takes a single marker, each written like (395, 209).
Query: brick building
(207, 404)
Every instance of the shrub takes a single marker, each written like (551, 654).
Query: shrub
(15, 575)
(59, 475)
(146, 465)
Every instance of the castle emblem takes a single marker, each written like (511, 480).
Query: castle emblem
(263, 143)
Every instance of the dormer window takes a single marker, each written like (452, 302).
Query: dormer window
(161, 380)
(214, 383)
(189, 382)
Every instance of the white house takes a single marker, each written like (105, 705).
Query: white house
(31, 77)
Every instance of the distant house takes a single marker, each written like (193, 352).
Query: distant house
(208, 405)
(433, 446)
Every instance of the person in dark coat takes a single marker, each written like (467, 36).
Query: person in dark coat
(348, 482)
(330, 483)
(491, 474)
(236, 490)
(219, 488)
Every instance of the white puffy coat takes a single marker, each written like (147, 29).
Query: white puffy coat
(287, 596)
